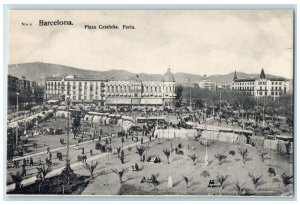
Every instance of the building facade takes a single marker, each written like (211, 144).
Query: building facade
(205, 84)
(113, 92)
(79, 89)
(261, 87)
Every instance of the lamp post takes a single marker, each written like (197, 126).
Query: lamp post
(68, 129)
(206, 156)
(17, 121)
(220, 88)
(170, 182)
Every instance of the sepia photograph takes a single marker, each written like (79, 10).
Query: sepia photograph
(150, 102)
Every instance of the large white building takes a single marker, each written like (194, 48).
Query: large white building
(113, 92)
(145, 93)
(80, 89)
(273, 87)
(205, 84)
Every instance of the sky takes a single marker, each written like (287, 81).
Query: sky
(195, 41)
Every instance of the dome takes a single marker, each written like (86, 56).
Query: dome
(168, 76)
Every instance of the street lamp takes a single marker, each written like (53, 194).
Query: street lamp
(68, 129)
(220, 88)
(170, 181)
(17, 121)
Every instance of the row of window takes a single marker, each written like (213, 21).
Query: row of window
(262, 83)
(276, 83)
(73, 83)
(245, 83)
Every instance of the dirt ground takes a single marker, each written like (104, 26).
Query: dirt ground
(106, 182)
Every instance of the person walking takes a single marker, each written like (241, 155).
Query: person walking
(31, 162)
(24, 162)
(23, 171)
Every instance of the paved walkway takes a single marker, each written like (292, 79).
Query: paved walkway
(57, 171)
(56, 149)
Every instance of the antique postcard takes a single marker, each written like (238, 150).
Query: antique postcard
(150, 102)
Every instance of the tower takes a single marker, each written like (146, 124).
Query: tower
(235, 76)
(262, 74)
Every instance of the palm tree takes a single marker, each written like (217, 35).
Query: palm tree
(257, 181)
(286, 179)
(154, 179)
(245, 155)
(221, 157)
(43, 171)
(120, 173)
(90, 167)
(193, 157)
(242, 191)
(140, 150)
(17, 180)
(222, 180)
(167, 153)
(187, 180)
(262, 154)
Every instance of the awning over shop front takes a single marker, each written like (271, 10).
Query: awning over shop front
(151, 101)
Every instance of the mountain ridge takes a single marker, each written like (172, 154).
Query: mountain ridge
(38, 71)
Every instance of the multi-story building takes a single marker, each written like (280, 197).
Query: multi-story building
(17, 84)
(205, 84)
(79, 89)
(12, 83)
(113, 92)
(274, 87)
(145, 93)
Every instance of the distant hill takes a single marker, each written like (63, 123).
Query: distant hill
(37, 71)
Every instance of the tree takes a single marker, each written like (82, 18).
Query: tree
(244, 154)
(187, 180)
(220, 157)
(43, 171)
(90, 167)
(222, 180)
(76, 125)
(193, 157)
(17, 179)
(140, 151)
(67, 173)
(257, 181)
(38, 93)
(120, 173)
(242, 191)
(262, 153)
(167, 153)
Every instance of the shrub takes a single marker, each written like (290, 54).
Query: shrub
(205, 174)
(286, 179)
(271, 171)
(232, 152)
(257, 181)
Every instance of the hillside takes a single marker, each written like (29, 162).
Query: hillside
(37, 71)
